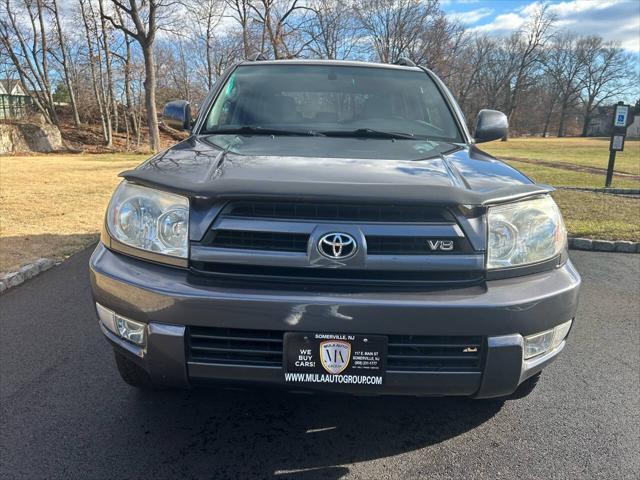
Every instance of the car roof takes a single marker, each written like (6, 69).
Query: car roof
(341, 63)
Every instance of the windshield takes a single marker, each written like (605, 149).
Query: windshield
(332, 100)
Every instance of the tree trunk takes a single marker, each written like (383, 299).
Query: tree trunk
(561, 125)
(150, 97)
(112, 105)
(585, 125)
(65, 67)
(45, 67)
(131, 114)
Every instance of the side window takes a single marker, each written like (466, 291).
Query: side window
(225, 106)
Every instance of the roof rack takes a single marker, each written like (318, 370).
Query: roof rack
(257, 57)
(405, 62)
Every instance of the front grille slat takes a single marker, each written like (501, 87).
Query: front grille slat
(270, 241)
(264, 348)
(397, 245)
(240, 351)
(337, 212)
(238, 339)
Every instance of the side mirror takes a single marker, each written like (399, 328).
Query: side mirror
(177, 114)
(490, 125)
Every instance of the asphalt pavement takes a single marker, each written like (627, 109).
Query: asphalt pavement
(66, 414)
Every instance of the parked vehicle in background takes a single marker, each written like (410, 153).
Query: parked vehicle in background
(333, 225)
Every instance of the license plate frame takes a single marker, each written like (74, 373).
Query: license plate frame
(351, 359)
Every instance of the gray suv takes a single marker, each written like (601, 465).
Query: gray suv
(332, 225)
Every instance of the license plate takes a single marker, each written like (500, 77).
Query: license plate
(335, 358)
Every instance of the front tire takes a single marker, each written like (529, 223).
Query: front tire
(132, 373)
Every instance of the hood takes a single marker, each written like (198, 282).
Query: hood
(333, 168)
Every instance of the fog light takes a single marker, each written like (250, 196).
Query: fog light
(560, 333)
(123, 327)
(542, 342)
(130, 329)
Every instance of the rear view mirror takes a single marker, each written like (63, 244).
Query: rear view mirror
(490, 125)
(177, 114)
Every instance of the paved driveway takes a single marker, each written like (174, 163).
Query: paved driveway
(66, 414)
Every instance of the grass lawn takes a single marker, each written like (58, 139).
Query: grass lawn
(569, 178)
(589, 215)
(596, 215)
(53, 205)
(588, 152)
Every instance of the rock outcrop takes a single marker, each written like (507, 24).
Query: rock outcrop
(29, 137)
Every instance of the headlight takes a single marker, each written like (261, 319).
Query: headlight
(149, 219)
(525, 232)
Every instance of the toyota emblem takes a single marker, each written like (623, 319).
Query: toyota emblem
(337, 246)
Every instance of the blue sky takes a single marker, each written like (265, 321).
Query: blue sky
(617, 20)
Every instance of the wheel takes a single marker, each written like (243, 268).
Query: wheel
(132, 373)
(526, 387)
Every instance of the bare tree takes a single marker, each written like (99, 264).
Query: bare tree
(144, 16)
(565, 63)
(63, 60)
(606, 75)
(206, 15)
(27, 46)
(525, 48)
(110, 95)
(91, 32)
(283, 34)
(241, 13)
(333, 31)
(395, 26)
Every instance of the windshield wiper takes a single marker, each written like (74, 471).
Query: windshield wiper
(368, 133)
(256, 130)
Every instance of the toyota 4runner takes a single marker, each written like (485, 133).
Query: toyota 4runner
(333, 225)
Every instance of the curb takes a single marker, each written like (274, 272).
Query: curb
(619, 246)
(26, 272)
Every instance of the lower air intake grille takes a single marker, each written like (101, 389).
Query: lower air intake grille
(263, 348)
(227, 346)
(410, 353)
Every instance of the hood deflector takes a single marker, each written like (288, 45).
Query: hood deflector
(324, 169)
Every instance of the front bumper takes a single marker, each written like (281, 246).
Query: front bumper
(502, 311)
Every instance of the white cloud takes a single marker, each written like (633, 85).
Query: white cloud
(470, 17)
(459, 2)
(616, 20)
(503, 23)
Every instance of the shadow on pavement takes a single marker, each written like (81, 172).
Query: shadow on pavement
(265, 432)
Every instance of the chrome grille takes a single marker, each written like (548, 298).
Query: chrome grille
(255, 241)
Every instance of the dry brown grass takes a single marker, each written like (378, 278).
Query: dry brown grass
(53, 205)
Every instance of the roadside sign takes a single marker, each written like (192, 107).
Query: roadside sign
(621, 119)
(617, 143)
(621, 115)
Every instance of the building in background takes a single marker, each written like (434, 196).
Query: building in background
(14, 101)
(600, 123)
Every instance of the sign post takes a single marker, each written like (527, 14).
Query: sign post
(621, 120)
